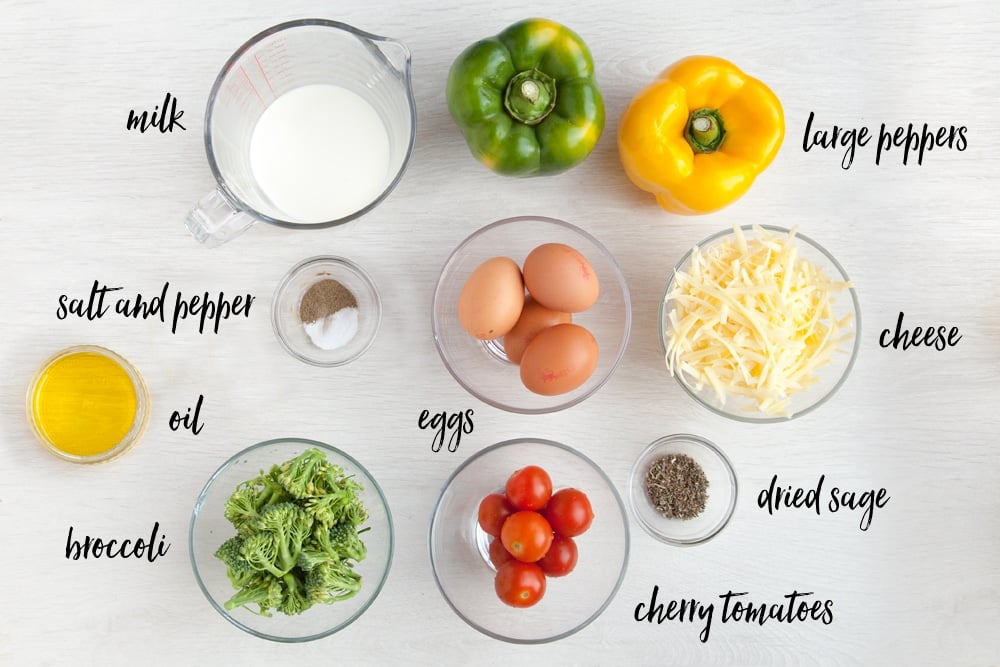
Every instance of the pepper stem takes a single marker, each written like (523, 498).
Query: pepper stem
(705, 130)
(530, 96)
(530, 90)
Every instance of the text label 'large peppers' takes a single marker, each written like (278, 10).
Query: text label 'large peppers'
(526, 100)
(699, 135)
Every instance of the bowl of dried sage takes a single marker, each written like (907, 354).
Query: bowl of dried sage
(682, 489)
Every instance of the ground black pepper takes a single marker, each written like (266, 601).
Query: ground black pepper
(677, 486)
(325, 298)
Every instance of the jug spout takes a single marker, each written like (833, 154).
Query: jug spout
(396, 53)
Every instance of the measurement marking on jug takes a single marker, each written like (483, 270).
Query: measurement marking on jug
(250, 83)
(264, 74)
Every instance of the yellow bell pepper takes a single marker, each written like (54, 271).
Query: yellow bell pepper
(699, 135)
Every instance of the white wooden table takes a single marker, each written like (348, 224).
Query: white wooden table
(81, 199)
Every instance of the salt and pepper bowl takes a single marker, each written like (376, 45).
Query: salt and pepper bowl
(327, 341)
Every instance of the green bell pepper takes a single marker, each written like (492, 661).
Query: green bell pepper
(526, 100)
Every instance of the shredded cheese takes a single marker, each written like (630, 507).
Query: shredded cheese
(752, 320)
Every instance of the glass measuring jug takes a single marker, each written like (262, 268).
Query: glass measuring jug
(309, 124)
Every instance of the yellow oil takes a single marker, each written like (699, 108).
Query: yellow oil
(84, 403)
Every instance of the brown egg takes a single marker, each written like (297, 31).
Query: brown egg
(559, 359)
(534, 317)
(560, 278)
(491, 299)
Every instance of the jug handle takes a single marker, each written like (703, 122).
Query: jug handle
(215, 221)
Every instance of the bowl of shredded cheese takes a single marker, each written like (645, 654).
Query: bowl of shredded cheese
(760, 324)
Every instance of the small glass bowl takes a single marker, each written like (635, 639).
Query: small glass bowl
(482, 367)
(459, 548)
(85, 403)
(289, 328)
(830, 377)
(210, 528)
(722, 491)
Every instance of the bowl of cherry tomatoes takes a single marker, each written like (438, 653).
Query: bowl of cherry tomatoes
(529, 541)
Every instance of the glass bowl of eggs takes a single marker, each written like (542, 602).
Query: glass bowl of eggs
(531, 314)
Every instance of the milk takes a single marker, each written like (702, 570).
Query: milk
(320, 152)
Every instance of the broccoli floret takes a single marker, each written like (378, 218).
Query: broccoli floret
(346, 542)
(312, 555)
(331, 582)
(356, 513)
(265, 592)
(242, 506)
(339, 505)
(340, 543)
(261, 551)
(251, 497)
(297, 476)
(295, 600)
(282, 530)
(238, 568)
(229, 551)
(293, 526)
(332, 476)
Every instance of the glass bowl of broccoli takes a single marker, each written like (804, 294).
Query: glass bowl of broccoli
(291, 540)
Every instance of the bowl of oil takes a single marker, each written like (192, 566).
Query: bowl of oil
(88, 404)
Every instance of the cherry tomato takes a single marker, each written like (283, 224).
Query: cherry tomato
(560, 559)
(493, 511)
(498, 553)
(527, 535)
(519, 584)
(529, 488)
(569, 512)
